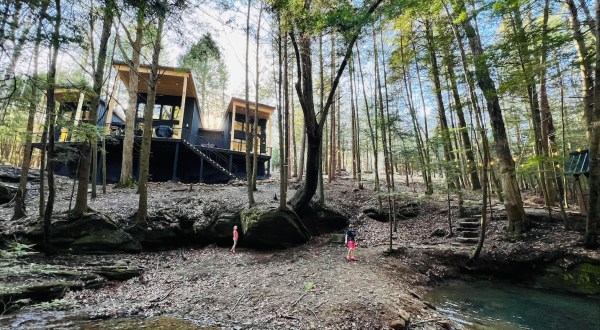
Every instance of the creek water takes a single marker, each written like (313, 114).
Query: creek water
(487, 305)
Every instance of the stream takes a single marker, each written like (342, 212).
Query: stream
(487, 305)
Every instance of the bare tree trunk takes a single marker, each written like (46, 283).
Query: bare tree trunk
(283, 61)
(84, 175)
(302, 151)
(142, 212)
(126, 177)
(248, 134)
(513, 203)
(20, 210)
(422, 146)
(356, 129)
(332, 128)
(50, 104)
(256, 138)
(462, 124)
(590, 238)
(372, 129)
(585, 65)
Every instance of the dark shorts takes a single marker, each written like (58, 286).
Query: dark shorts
(351, 245)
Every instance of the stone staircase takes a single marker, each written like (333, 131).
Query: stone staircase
(468, 230)
(216, 165)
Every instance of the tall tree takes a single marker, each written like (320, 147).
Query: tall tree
(126, 178)
(50, 118)
(248, 133)
(21, 195)
(301, 37)
(90, 154)
(161, 13)
(517, 221)
(593, 217)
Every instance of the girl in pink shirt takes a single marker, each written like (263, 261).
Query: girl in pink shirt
(235, 238)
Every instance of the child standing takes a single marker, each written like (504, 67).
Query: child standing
(235, 238)
(351, 242)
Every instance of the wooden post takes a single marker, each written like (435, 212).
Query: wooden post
(269, 132)
(175, 163)
(111, 106)
(79, 109)
(232, 131)
(580, 198)
(201, 170)
(182, 108)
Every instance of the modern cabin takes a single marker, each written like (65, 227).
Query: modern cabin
(182, 148)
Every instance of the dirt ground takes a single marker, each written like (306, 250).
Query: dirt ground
(307, 287)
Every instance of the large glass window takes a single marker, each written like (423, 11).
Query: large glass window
(167, 112)
(140, 110)
(156, 111)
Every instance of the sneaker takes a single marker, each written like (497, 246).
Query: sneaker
(353, 259)
(348, 258)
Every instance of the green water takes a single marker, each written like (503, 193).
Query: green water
(486, 305)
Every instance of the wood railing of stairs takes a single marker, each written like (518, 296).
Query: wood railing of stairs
(204, 156)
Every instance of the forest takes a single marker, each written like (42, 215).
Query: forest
(458, 140)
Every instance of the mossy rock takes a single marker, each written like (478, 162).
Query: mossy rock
(119, 273)
(266, 227)
(65, 230)
(105, 241)
(583, 278)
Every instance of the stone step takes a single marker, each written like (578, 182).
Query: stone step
(461, 229)
(470, 234)
(465, 224)
(467, 240)
(469, 219)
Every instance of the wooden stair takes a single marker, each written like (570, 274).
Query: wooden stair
(216, 165)
(468, 230)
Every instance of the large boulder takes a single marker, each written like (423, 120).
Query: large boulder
(267, 227)
(322, 220)
(93, 232)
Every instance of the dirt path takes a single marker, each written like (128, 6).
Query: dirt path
(309, 287)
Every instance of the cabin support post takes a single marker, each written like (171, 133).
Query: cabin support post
(182, 107)
(269, 167)
(229, 165)
(201, 170)
(111, 107)
(175, 163)
(269, 132)
(79, 109)
(232, 131)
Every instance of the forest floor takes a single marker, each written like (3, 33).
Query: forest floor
(307, 287)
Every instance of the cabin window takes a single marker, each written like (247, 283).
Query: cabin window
(156, 111)
(140, 110)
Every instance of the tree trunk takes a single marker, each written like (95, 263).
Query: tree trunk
(590, 239)
(283, 61)
(126, 177)
(84, 175)
(585, 65)
(142, 212)
(248, 134)
(255, 136)
(513, 203)
(20, 210)
(50, 104)
(462, 124)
